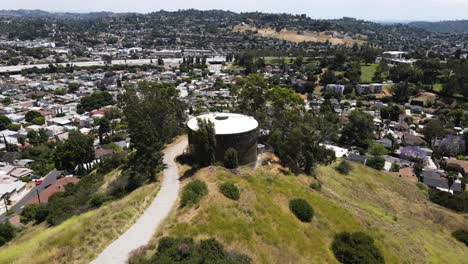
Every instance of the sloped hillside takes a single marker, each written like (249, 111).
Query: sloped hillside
(406, 228)
(81, 238)
(333, 37)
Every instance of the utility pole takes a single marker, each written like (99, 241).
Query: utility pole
(38, 197)
(6, 205)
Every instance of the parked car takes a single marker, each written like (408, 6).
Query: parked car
(38, 182)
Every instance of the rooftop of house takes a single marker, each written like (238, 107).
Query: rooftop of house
(433, 179)
(57, 186)
(413, 140)
(462, 163)
(9, 187)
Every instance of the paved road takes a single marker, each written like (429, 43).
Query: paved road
(18, 68)
(50, 178)
(142, 231)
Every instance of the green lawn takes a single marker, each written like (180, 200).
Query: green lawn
(368, 72)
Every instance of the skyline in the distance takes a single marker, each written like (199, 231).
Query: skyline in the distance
(377, 10)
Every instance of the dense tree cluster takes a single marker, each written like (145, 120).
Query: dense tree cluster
(203, 142)
(154, 116)
(95, 101)
(359, 131)
(30, 115)
(294, 133)
(74, 152)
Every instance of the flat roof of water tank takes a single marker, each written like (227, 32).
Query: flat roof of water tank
(226, 123)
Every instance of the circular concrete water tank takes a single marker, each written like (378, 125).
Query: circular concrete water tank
(232, 131)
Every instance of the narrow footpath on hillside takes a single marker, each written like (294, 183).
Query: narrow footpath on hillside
(140, 233)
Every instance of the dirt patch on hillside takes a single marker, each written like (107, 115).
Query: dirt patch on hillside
(334, 37)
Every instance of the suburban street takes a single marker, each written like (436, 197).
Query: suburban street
(48, 179)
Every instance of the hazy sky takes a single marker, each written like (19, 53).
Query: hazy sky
(382, 10)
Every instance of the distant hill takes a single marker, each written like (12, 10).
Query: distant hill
(455, 26)
(24, 13)
(36, 13)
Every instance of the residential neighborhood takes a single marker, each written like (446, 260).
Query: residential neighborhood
(211, 136)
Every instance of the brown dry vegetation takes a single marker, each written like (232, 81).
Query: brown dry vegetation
(335, 38)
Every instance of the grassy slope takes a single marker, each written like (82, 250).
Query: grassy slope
(368, 72)
(405, 226)
(81, 238)
(399, 215)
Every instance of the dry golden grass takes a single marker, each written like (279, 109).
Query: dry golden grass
(335, 38)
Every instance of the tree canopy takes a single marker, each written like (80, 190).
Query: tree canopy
(359, 130)
(77, 150)
(154, 116)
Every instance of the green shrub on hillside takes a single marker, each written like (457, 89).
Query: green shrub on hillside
(316, 186)
(230, 159)
(186, 250)
(28, 214)
(42, 211)
(354, 248)
(7, 232)
(377, 163)
(461, 235)
(457, 202)
(98, 199)
(230, 191)
(344, 167)
(302, 209)
(193, 192)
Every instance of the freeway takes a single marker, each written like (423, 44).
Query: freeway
(50, 178)
(173, 61)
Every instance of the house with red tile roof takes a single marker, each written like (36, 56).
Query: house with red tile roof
(58, 186)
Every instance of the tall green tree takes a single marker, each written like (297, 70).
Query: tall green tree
(154, 116)
(251, 96)
(297, 141)
(203, 142)
(37, 137)
(4, 121)
(104, 127)
(359, 130)
(434, 129)
(77, 150)
(30, 115)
